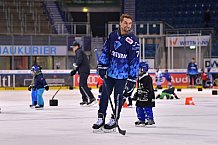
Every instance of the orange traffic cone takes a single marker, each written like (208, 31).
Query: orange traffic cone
(125, 105)
(189, 101)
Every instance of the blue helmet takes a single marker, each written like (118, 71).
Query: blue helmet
(36, 68)
(143, 66)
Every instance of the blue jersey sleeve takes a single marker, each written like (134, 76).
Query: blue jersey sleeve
(134, 59)
(105, 55)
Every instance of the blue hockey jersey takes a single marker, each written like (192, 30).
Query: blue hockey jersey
(39, 81)
(121, 55)
(192, 69)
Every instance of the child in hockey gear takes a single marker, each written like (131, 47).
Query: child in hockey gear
(40, 85)
(168, 78)
(168, 93)
(129, 88)
(159, 78)
(145, 98)
(204, 78)
(209, 82)
(82, 66)
(118, 61)
(33, 89)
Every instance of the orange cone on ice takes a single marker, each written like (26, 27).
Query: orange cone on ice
(125, 105)
(189, 101)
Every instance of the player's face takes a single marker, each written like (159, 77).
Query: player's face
(125, 25)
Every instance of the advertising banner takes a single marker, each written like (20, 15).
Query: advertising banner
(181, 41)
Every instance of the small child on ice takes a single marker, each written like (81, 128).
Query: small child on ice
(145, 98)
(168, 78)
(168, 93)
(33, 89)
(40, 85)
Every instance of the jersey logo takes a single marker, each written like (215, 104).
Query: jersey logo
(129, 40)
(117, 44)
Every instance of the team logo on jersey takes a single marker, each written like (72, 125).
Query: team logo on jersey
(117, 44)
(129, 40)
(135, 46)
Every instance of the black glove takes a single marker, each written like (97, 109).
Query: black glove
(102, 71)
(130, 83)
(29, 88)
(46, 88)
(135, 97)
(73, 72)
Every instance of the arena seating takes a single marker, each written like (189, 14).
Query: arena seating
(23, 16)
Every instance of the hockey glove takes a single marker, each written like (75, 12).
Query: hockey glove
(72, 73)
(102, 71)
(130, 84)
(46, 87)
(135, 97)
(29, 88)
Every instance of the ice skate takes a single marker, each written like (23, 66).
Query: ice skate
(32, 106)
(98, 126)
(110, 126)
(83, 103)
(39, 107)
(150, 123)
(92, 102)
(140, 123)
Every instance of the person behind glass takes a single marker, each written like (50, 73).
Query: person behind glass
(82, 66)
(118, 62)
(192, 72)
(207, 18)
(168, 78)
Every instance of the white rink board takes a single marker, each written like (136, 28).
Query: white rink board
(70, 124)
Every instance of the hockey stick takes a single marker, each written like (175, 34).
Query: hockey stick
(59, 89)
(56, 92)
(123, 132)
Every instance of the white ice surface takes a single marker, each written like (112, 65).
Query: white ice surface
(70, 124)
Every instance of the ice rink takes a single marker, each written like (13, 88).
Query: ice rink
(70, 124)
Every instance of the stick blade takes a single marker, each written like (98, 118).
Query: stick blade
(123, 132)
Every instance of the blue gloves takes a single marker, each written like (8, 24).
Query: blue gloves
(102, 71)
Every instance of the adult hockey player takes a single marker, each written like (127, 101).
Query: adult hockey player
(40, 85)
(192, 72)
(118, 62)
(82, 66)
(145, 98)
